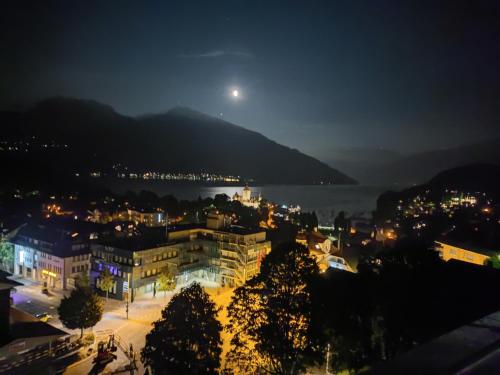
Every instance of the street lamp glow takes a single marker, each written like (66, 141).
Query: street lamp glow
(235, 93)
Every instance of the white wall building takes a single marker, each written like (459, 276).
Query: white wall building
(51, 255)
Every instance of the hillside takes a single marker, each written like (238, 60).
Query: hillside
(68, 135)
(418, 168)
(483, 178)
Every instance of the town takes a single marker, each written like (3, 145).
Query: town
(135, 254)
(132, 254)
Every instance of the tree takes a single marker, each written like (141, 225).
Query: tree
(166, 281)
(342, 223)
(82, 309)
(6, 255)
(270, 316)
(106, 281)
(82, 280)
(186, 340)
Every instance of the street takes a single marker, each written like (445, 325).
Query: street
(142, 313)
(132, 331)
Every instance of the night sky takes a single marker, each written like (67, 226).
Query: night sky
(321, 76)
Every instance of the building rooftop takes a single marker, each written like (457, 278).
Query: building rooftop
(57, 236)
(24, 325)
(155, 237)
(235, 229)
(135, 243)
(469, 245)
(182, 227)
(471, 349)
(243, 231)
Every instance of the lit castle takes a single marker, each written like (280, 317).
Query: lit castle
(246, 198)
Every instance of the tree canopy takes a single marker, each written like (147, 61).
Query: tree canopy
(106, 281)
(82, 309)
(166, 281)
(270, 316)
(186, 340)
(6, 256)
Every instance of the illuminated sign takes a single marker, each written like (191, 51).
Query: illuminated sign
(48, 273)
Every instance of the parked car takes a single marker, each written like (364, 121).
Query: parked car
(43, 317)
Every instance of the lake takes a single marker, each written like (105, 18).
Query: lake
(325, 200)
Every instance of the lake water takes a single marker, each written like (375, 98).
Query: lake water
(325, 200)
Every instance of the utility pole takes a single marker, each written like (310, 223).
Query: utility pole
(339, 245)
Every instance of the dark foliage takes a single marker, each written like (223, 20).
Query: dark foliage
(400, 298)
(82, 309)
(186, 340)
(270, 316)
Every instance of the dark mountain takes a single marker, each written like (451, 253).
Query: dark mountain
(364, 164)
(81, 135)
(418, 168)
(381, 167)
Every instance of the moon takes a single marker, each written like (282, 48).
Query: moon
(235, 93)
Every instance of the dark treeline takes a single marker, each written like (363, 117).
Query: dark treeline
(291, 317)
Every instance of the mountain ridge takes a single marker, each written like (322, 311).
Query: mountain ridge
(418, 168)
(179, 140)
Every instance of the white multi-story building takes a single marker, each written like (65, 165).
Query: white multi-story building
(53, 254)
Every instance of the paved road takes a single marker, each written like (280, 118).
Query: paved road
(27, 303)
(132, 331)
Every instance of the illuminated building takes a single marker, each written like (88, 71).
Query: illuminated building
(316, 242)
(137, 216)
(150, 219)
(134, 261)
(322, 249)
(338, 263)
(53, 254)
(216, 254)
(246, 198)
(464, 253)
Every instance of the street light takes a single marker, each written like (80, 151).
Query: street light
(128, 288)
(327, 369)
(338, 243)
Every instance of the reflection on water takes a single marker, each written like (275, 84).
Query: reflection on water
(326, 201)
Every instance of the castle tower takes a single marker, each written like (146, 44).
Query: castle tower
(247, 194)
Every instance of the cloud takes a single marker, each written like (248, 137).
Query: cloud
(217, 53)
